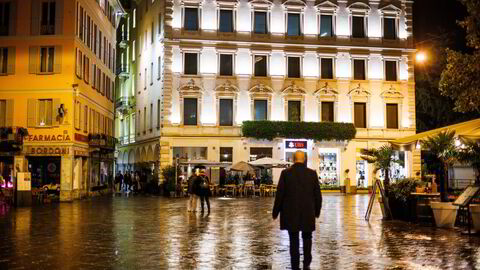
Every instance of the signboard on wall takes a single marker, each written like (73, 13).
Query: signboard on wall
(24, 181)
(295, 144)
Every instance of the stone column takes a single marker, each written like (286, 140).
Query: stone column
(165, 157)
(66, 179)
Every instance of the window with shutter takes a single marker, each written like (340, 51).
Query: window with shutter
(3, 113)
(392, 116)
(3, 60)
(48, 15)
(360, 114)
(47, 55)
(45, 112)
(359, 69)
(327, 112)
(85, 120)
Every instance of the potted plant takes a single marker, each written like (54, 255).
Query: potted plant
(400, 200)
(470, 154)
(442, 146)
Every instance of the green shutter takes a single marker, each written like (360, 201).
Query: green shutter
(59, 17)
(35, 23)
(57, 67)
(11, 60)
(33, 60)
(9, 112)
(32, 112)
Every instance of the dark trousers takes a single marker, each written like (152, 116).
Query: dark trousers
(204, 198)
(295, 246)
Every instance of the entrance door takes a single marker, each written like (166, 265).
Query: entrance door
(45, 170)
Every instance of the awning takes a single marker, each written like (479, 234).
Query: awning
(469, 129)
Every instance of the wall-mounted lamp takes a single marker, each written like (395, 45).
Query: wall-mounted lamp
(418, 146)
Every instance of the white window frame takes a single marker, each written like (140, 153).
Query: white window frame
(268, 13)
(267, 55)
(198, 62)
(233, 54)
(397, 61)
(320, 57)
(365, 61)
(199, 10)
(302, 19)
(234, 19)
(300, 67)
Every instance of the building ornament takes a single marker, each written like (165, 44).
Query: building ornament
(391, 93)
(326, 5)
(359, 91)
(190, 88)
(261, 89)
(226, 87)
(293, 89)
(326, 90)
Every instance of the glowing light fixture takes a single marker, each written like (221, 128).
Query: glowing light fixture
(421, 57)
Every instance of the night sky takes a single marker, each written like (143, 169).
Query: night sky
(433, 18)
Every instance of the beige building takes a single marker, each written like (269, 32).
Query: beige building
(59, 83)
(203, 67)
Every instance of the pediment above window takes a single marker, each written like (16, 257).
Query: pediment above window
(326, 5)
(359, 91)
(190, 2)
(293, 89)
(190, 88)
(390, 9)
(226, 87)
(326, 90)
(261, 89)
(294, 3)
(359, 7)
(261, 3)
(392, 93)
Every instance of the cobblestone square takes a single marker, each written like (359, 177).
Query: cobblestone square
(158, 233)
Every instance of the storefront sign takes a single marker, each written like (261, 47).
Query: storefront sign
(81, 153)
(48, 151)
(48, 138)
(295, 144)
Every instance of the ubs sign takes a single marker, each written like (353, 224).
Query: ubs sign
(295, 144)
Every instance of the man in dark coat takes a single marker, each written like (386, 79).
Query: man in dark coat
(298, 201)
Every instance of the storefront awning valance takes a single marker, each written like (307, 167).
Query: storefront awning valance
(469, 129)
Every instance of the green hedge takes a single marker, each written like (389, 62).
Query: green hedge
(319, 131)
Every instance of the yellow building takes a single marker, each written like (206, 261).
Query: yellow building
(57, 65)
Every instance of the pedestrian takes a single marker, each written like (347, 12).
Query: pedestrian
(192, 200)
(202, 188)
(118, 181)
(298, 201)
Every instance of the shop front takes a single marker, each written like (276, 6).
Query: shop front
(102, 160)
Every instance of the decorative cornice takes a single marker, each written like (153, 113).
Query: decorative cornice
(359, 91)
(326, 90)
(293, 89)
(260, 89)
(190, 87)
(391, 93)
(227, 87)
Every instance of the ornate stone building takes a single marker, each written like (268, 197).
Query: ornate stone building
(205, 66)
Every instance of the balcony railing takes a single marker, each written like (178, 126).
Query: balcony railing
(123, 40)
(122, 71)
(124, 104)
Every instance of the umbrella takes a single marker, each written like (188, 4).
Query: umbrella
(243, 166)
(267, 161)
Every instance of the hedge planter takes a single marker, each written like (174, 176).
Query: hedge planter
(319, 131)
(445, 214)
(475, 210)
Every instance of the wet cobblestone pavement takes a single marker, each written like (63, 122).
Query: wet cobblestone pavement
(158, 233)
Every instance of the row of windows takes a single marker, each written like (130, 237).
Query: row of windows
(91, 121)
(294, 23)
(93, 38)
(148, 76)
(108, 11)
(93, 74)
(294, 112)
(145, 119)
(293, 66)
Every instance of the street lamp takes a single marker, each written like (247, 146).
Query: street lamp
(420, 57)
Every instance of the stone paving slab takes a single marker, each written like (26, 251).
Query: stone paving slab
(158, 233)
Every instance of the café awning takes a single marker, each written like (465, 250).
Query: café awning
(469, 130)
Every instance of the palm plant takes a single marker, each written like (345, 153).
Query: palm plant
(470, 154)
(443, 147)
(382, 159)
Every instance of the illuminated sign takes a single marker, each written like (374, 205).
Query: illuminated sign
(48, 138)
(295, 144)
(48, 151)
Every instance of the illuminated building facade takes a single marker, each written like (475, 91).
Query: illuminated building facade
(57, 80)
(204, 66)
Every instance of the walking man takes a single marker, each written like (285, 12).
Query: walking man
(192, 201)
(201, 187)
(298, 201)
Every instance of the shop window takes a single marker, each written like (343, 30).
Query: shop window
(191, 64)
(326, 68)
(226, 21)
(260, 22)
(226, 112)
(260, 65)
(360, 115)
(359, 69)
(260, 108)
(47, 22)
(390, 70)
(294, 110)
(45, 112)
(328, 169)
(392, 116)
(362, 175)
(293, 24)
(327, 112)
(190, 111)
(4, 18)
(326, 25)
(358, 26)
(46, 59)
(226, 154)
(293, 66)
(260, 152)
(389, 28)
(191, 19)
(226, 64)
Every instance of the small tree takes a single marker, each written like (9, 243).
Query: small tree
(443, 147)
(382, 159)
(470, 154)
(168, 174)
